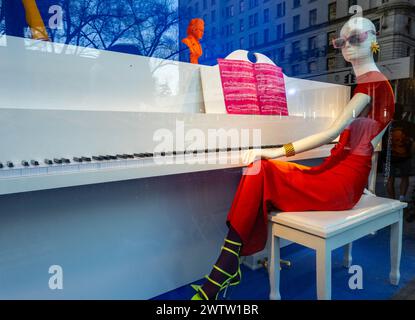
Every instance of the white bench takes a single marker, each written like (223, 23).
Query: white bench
(325, 231)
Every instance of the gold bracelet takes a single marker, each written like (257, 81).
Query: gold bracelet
(289, 150)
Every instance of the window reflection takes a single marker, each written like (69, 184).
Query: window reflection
(145, 27)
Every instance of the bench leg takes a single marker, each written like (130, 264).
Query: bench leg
(323, 257)
(274, 268)
(347, 257)
(395, 251)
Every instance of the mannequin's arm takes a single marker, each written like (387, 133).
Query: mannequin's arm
(355, 106)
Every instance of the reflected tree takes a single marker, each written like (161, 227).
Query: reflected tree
(145, 27)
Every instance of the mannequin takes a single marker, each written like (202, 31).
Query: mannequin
(195, 32)
(362, 62)
(336, 184)
(35, 21)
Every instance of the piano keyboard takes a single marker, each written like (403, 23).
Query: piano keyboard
(27, 168)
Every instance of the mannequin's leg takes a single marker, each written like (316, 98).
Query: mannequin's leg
(243, 217)
(227, 261)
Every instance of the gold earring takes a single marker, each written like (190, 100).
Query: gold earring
(375, 48)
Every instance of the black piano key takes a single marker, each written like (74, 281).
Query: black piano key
(10, 164)
(76, 159)
(86, 159)
(129, 156)
(64, 160)
(104, 157)
(144, 155)
(1, 165)
(121, 156)
(97, 158)
(111, 157)
(34, 163)
(57, 161)
(48, 161)
(25, 163)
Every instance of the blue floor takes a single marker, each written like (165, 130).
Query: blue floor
(298, 282)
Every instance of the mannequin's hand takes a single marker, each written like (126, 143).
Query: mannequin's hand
(250, 156)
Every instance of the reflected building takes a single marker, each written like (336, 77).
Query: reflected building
(297, 34)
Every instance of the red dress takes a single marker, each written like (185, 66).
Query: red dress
(336, 184)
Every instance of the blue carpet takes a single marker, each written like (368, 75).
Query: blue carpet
(299, 282)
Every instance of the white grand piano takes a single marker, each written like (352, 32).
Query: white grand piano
(111, 168)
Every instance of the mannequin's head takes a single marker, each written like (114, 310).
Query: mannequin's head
(196, 28)
(356, 38)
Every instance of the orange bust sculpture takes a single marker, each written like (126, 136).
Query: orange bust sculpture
(195, 32)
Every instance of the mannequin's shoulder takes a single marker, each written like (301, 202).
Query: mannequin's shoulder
(372, 78)
(372, 83)
(377, 76)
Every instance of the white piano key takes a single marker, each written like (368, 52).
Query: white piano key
(70, 168)
(10, 173)
(156, 160)
(118, 164)
(131, 163)
(108, 165)
(26, 171)
(88, 166)
(57, 169)
(37, 171)
(222, 157)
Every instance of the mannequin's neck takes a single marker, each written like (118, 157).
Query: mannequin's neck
(363, 66)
